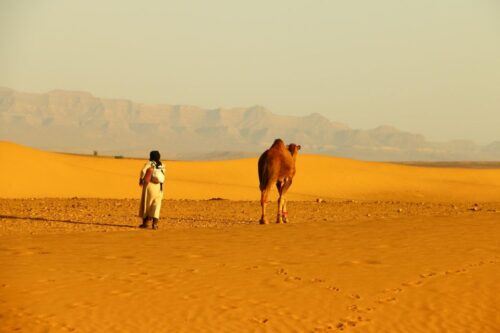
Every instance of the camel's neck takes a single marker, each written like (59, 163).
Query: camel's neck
(294, 156)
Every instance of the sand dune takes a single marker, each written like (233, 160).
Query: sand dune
(408, 255)
(26, 172)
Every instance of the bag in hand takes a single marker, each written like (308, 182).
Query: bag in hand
(147, 177)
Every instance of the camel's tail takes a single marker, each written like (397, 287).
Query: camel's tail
(262, 171)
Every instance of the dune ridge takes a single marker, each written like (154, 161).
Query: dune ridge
(27, 172)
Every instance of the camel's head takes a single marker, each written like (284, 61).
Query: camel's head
(294, 149)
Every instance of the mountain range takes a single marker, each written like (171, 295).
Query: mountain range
(78, 122)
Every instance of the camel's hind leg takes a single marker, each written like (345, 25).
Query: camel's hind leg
(264, 194)
(284, 211)
(281, 201)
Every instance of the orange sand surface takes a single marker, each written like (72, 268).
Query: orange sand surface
(62, 175)
(392, 249)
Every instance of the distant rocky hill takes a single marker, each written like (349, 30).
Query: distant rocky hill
(78, 122)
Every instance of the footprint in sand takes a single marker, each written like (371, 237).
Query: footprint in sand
(252, 268)
(283, 272)
(387, 300)
(340, 326)
(393, 290)
(333, 288)
(427, 275)
(317, 280)
(355, 308)
(344, 323)
(412, 283)
(455, 271)
(292, 278)
(355, 296)
(260, 320)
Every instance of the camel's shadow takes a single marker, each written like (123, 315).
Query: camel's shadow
(42, 219)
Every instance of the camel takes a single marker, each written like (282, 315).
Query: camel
(277, 166)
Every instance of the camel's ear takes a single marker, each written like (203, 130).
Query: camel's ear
(298, 147)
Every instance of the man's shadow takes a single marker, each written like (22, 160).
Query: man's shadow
(66, 221)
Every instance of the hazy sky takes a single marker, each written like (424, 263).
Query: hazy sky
(427, 66)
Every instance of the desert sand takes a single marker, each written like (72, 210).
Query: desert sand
(63, 176)
(392, 248)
